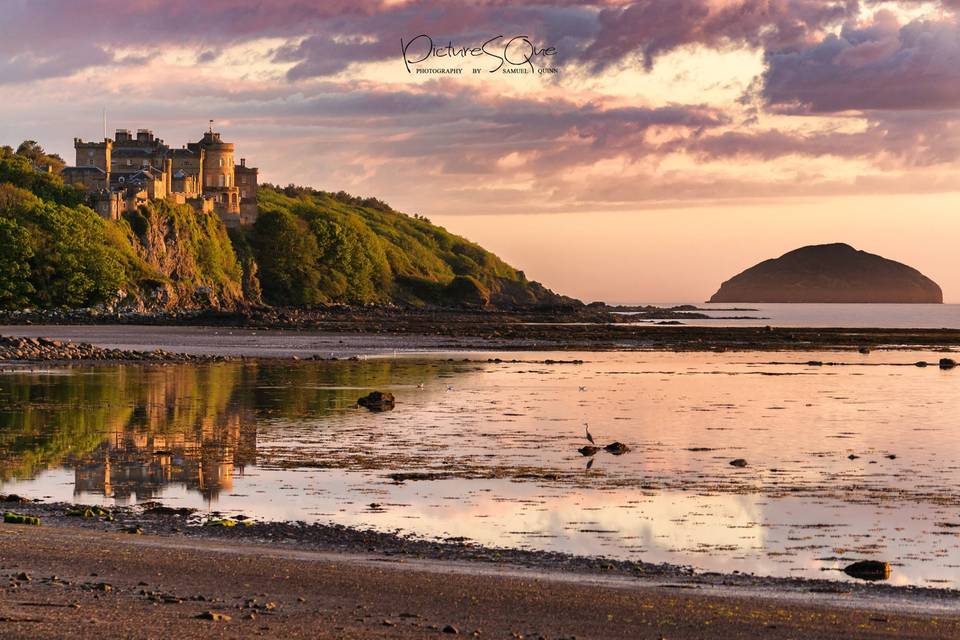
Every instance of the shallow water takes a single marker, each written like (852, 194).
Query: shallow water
(500, 440)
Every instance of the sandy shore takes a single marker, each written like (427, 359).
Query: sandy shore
(71, 582)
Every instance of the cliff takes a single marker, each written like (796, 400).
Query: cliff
(183, 260)
(829, 273)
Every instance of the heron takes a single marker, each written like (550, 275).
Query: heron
(589, 437)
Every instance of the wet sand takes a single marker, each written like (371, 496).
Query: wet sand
(112, 585)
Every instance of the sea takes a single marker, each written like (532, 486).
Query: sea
(886, 316)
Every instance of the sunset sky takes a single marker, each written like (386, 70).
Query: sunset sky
(679, 141)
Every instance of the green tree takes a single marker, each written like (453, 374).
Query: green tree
(287, 253)
(18, 171)
(73, 264)
(15, 255)
(31, 150)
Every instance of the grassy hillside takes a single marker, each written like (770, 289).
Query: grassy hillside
(317, 247)
(307, 247)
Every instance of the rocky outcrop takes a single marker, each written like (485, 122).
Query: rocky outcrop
(830, 273)
(188, 261)
(16, 349)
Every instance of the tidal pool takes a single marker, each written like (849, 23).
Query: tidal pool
(846, 461)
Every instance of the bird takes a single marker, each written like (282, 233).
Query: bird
(583, 388)
(420, 386)
(589, 437)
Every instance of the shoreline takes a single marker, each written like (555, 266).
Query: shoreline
(184, 343)
(164, 529)
(155, 519)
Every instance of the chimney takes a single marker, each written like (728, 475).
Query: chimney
(243, 162)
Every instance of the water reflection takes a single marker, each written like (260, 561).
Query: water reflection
(130, 431)
(285, 441)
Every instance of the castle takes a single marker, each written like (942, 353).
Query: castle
(121, 174)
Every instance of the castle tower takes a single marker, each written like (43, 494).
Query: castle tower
(93, 154)
(219, 176)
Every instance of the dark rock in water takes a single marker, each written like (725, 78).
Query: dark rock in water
(868, 570)
(829, 273)
(852, 456)
(377, 401)
(452, 630)
(920, 363)
(419, 475)
(588, 450)
(864, 350)
(947, 363)
(616, 448)
(739, 462)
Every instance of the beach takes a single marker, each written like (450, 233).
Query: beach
(469, 505)
(82, 584)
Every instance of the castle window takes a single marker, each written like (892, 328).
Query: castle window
(89, 153)
(222, 181)
(243, 179)
(221, 164)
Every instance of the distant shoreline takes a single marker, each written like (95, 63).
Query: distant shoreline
(351, 333)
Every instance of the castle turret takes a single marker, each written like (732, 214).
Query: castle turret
(219, 176)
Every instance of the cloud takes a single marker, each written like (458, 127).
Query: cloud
(542, 146)
(27, 65)
(879, 65)
(649, 28)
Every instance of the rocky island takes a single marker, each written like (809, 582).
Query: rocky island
(830, 273)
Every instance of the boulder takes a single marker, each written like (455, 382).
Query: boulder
(616, 448)
(377, 401)
(868, 570)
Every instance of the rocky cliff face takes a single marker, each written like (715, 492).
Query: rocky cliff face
(188, 261)
(830, 273)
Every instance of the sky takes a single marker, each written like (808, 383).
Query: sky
(654, 148)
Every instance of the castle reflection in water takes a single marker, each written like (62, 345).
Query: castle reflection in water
(129, 432)
(140, 465)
